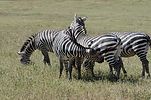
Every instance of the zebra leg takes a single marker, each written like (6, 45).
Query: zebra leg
(122, 66)
(111, 70)
(111, 75)
(92, 71)
(117, 68)
(46, 58)
(147, 69)
(66, 68)
(61, 68)
(145, 64)
(91, 66)
(78, 64)
(141, 51)
(70, 69)
(118, 65)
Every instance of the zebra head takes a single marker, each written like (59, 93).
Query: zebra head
(79, 20)
(78, 26)
(24, 58)
(27, 49)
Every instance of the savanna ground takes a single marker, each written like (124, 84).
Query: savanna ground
(21, 18)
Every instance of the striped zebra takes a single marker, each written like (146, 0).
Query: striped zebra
(45, 41)
(41, 41)
(109, 45)
(67, 49)
(133, 43)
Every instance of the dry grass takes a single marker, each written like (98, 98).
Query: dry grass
(20, 18)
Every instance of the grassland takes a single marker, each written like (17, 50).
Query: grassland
(21, 18)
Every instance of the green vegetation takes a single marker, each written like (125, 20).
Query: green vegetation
(21, 18)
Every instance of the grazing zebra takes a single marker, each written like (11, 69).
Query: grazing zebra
(41, 41)
(133, 43)
(67, 49)
(109, 45)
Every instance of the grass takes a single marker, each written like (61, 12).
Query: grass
(21, 18)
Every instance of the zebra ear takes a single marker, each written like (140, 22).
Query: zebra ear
(84, 18)
(75, 16)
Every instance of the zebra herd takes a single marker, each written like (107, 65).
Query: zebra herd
(74, 47)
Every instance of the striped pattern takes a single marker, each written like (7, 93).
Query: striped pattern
(41, 41)
(44, 42)
(66, 49)
(133, 43)
(109, 45)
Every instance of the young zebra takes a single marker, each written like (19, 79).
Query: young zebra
(109, 45)
(67, 49)
(133, 43)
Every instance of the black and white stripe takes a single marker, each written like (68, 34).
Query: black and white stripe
(67, 49)
(109, 45)
(41, 41)
(133, 43)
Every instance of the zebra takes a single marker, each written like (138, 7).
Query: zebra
(41, 41)
(133, 43)
(67, 49)
(109, 45)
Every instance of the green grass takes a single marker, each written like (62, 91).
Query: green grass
(21, 18)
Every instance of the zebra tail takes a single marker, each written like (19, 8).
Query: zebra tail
(119, 42)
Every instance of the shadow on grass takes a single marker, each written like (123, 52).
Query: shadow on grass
(101, 76)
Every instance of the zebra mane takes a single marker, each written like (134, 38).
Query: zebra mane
(26, 43)
(78, 26)
(74, 40)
